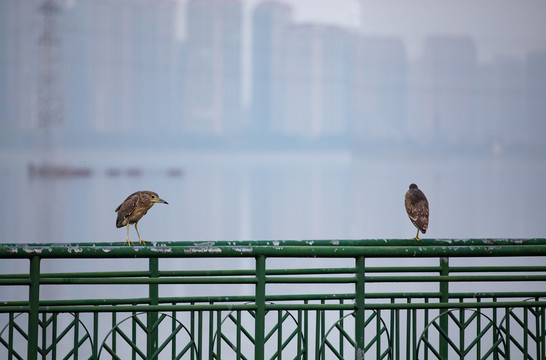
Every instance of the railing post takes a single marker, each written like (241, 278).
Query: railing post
(260, 309)
(360, 317)
(34, 303)
(152, 316)
(444, 298)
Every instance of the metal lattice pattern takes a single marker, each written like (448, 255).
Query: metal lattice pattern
(280, 318)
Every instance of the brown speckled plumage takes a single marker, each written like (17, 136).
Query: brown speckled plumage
(134, 208)
(417, 208)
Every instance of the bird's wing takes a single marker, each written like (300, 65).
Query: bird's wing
(422, 213)
(126, 209)
(422, 204)
(411, 209)
(417, 209)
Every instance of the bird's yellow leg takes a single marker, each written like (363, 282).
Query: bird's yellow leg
(140, 241)
(417, 236)
(128, 242)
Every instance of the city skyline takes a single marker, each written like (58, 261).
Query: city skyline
(130, 72)
(484, 21)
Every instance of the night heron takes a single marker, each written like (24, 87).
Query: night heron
(417, 209)
(134, 208)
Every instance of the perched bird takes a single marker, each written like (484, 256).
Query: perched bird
(134, 208)
(417, 209)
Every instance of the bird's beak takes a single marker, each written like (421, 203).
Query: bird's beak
(158, 200)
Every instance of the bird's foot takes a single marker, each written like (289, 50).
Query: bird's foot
(143, 242)
(128, 243)
(416, 238)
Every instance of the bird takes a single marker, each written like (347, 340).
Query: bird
(417, 208)
(132, 209)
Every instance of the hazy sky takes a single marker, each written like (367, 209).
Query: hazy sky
(499, 27)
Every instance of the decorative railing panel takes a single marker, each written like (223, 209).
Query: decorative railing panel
(339, 299)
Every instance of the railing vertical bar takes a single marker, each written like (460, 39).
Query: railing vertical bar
(318, 339)
(114, 333)
(34, 303)
(134, 333)
(408, 331)
(200, 335)
(392, 332)
(152, 317)
(219, 334)
(76, 335)
(478, 330)
(53, 335)
(378, 334)
(323, 329)
(525, 330)
(397, 342)
(461, 331)
(414, 333)
(239, 332)
(444, 298)
(10, 336)
(279, 334)
(426, 332)
(259, 337)
(360, 316)
(508, 334)
(495, 332)
(541, 332)
(173, 328)
(341, 323)
(306, 332)
(95, 334)
(211, 332)
(300, 325)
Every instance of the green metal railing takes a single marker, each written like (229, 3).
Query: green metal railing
(321, 299)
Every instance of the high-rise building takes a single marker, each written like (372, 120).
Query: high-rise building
(448, 80)
(213, 84)
(378, 88)
(316, 91)
(270, 22)
(500, 102)
(121, 64)
(118, 62)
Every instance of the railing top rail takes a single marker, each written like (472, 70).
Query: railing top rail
(286, 248)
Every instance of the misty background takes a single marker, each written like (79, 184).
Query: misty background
(271, 119)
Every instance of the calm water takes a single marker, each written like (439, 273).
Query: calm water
(278, 196)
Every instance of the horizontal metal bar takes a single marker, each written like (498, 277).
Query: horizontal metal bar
(81, 274)
(271, 279)
(418, 306)
(8, 279)
(406, 279)
(310, 280)
(506, 269)
(234, 307)
(136, 281)
(146, 308)
(17, 281)
(14, 306)
(455, 278)
(289, 280)
(311, 243)
(271, 251)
